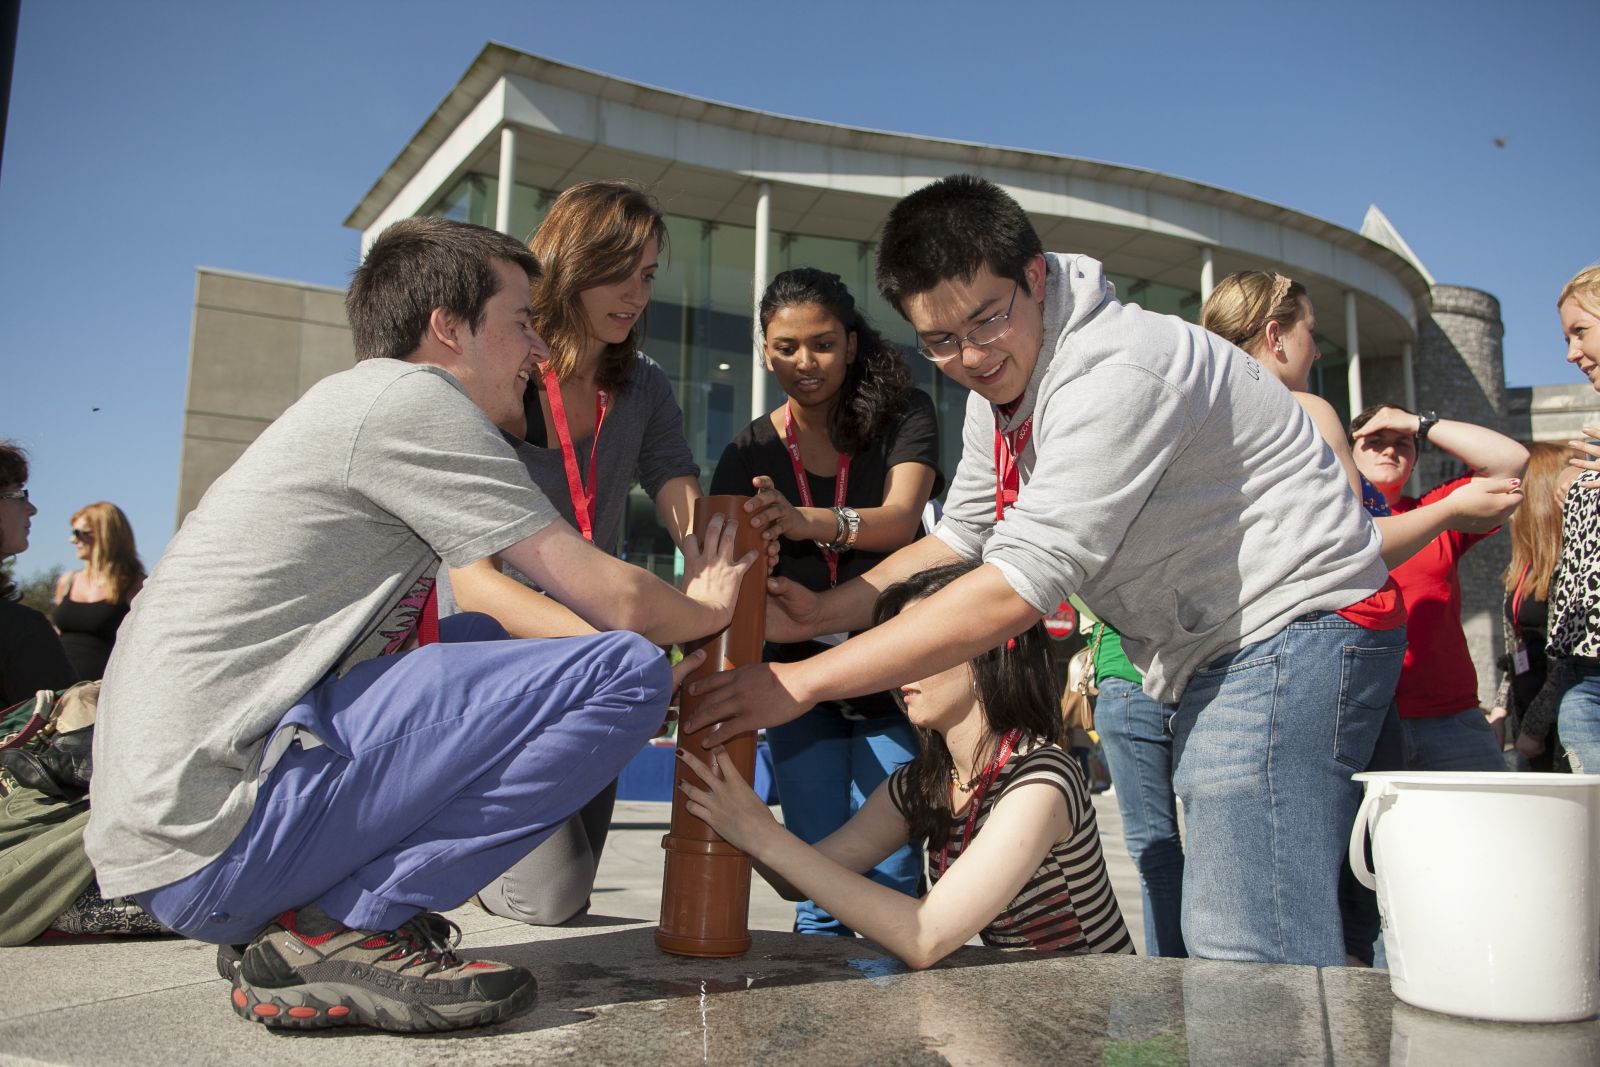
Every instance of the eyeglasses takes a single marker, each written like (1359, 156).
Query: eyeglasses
(986, 332)
(15, 494)
(82, 537)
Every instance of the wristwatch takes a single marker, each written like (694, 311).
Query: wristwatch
(1425, 422)
(844, 535)
(852, 526)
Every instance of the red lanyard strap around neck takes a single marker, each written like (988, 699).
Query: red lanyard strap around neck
(1007, 475)
(1008, 743)
(1517, 597)
(583, 493)
(840, 482)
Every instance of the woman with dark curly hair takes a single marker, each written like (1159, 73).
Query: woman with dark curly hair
(841, 473)
(31, 657)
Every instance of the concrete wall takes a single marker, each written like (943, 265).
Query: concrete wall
(1551, 412)
(256, 345)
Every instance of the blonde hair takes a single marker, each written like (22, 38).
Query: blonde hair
(113, 557)
(1536, 524)
(1584, 288)
(594, 235)
(1242, 304)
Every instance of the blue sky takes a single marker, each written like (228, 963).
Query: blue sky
(148, 138)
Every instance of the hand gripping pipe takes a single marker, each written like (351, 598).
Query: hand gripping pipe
(705, 890)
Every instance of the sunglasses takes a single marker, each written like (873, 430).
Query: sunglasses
(82, 537)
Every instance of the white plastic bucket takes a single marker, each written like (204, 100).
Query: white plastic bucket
(1489, 888)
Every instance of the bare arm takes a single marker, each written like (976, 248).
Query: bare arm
(991, 871)
(884, 528)
(609, 594)
(675, 506)
(522, 611)
(64, 586)
(795, 613)
(1332, 430)
(970, 615)
(1488, 454)
(1475, 508)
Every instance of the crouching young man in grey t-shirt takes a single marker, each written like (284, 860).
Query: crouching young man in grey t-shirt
(1152, 468)
(274, 767)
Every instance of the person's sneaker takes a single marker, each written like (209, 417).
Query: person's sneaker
(228, 959)
(308, 971)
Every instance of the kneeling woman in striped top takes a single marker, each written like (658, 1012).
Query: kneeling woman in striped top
(1002, 809)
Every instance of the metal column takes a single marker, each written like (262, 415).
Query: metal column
(508, 180)
(758, 369)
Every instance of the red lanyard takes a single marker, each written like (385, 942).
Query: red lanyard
(583, 501)
(840, 481)
(1007, 477)
(985, 780)
(1516, 597)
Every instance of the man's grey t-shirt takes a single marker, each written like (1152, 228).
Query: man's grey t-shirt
(311, 554)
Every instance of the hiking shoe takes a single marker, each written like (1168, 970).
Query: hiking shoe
(230, 956)
(308, 971)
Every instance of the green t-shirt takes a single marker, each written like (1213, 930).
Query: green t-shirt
(1109, 659)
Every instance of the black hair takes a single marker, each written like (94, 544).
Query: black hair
(13, 471)
(419, 264)
(875, 384)
(1368, 414)
(949, 230)
(1017, 685)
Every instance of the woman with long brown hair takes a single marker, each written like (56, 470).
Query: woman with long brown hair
(599, 415)
(1535, 551)
(91, 603)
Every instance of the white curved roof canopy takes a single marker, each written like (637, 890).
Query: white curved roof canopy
(706, 160)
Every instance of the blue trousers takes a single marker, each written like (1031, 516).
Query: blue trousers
(439, 769)
(1138, 750)
(1265, 740)
(1463, 741)
(826, 767)
(1578, 722)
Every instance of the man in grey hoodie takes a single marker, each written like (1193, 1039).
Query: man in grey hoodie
(1150, 467)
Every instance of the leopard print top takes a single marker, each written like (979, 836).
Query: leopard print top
(1575, 592)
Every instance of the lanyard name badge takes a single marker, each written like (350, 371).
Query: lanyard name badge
(1519, 648)
(840, 482)
(583, 499)
(1007, 475)
(1007, 744)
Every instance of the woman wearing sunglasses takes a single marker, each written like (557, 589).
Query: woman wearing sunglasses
(91, 603)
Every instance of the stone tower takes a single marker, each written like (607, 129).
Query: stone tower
(1460, 373)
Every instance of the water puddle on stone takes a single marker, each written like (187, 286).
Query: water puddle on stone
(880, 971)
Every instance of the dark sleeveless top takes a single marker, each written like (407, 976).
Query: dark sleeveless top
(87, 633)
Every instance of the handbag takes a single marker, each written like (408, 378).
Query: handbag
(1077, 710)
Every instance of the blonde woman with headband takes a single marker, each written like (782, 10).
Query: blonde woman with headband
(91, 603)
(1271, 318)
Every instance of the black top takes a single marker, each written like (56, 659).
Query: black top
(87, 633)
(759, 449)
(31, 658)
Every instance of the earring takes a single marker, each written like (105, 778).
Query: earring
(1279, 348)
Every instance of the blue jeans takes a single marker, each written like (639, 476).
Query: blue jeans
(1138, 751)
(826, 767)
(1463, 741)
(1265, 740)
(1578, 722)
(439, 769)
